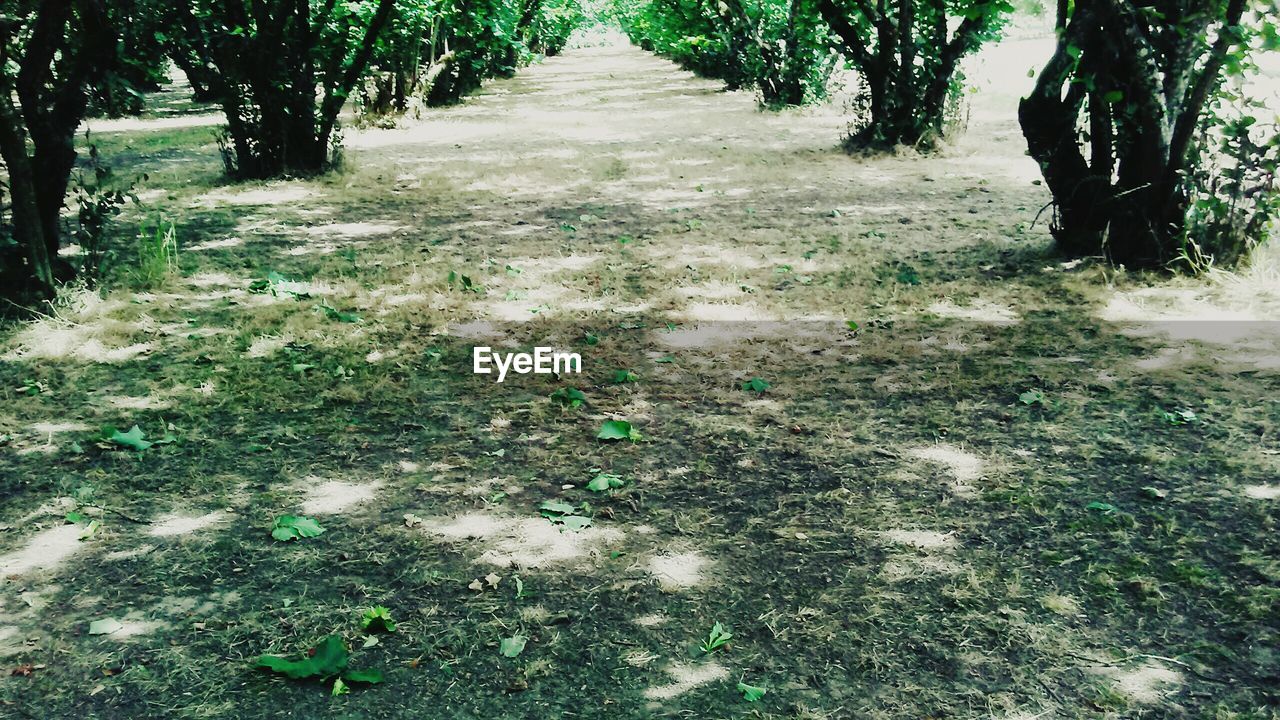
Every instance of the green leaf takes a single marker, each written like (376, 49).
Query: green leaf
(1155, 493)
(327, 659)
(513, 646)
(558, 507)
(339, 688)
(372, 676)
(569, 397)
(1101, 507)
(573, 522)
(757, 385)
(377, 619)
(617, 430)
(132, 439)
(751, 693)
(1033, 397)
(625, 376)
(292, 527)
(605, 481)
(718, 637)
(90, 529)
(105, 626)
(334, 314)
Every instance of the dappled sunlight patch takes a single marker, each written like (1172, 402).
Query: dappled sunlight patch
(267, 345)
(1190, 313)
(215, 244)
(679, 255)
(132, 553)
(54, 428)
(651, 620)
(84, 329)
(311, 247)
(509, 541)
(45, 550)
(1147, 683)
(280, 193)
(350, 230)
(12, 640)
(686, 677)
(976, 310)
(129, 402)
(964, 467)
(1063, 605)
(678, 571)
(335, 496)
(134, 625)
(174, 524)
(725, 312)
(1263, 491)
(904, 568)
(927, 540)
(709, 291)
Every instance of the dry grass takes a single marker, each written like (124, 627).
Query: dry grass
(888, 531)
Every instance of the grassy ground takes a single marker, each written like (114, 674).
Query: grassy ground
(1018, 488)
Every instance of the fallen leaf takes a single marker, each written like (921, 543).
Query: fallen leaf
(105, 626)
(513, 646)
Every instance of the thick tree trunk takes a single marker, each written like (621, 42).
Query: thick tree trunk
(1126, 201)
(28, 228)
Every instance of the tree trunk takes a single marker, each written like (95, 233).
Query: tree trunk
(28, 227)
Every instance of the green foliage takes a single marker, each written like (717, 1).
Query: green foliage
(562, 513)
(907, 56)
(1151, 152)
(377, 619)
(134, 439)
(1233, 189)
(512, 646)
(617, 430)
(98, 197)
(157, 255)
(751, 693)
(569, 397)
(756, 385)
(278, 284)
(335, 314)
(1180, 417)
(326, 660)
(777, 46)
(284, 70)
(625, 376)
(437, 51)
(1033, 397)
(717, 638)
(292, 527)
(605, 481)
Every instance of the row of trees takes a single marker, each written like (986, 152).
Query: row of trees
(281, 70)
(1137, 121)
(1151, 153)
(906, 53)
